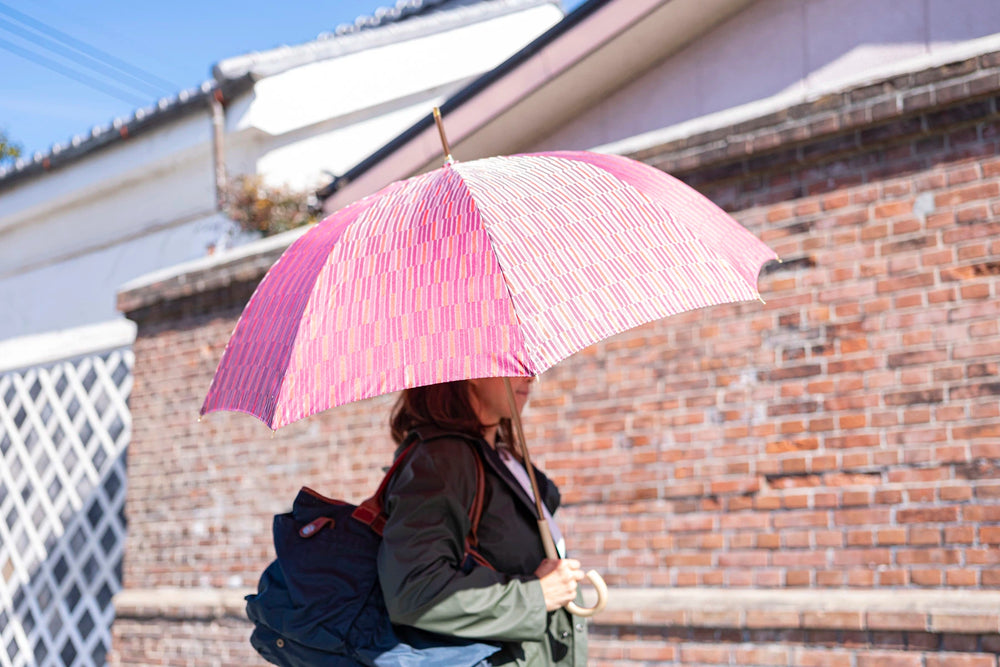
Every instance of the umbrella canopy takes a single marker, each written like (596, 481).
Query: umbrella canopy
(495, 267)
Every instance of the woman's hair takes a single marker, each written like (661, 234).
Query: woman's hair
(446, 405)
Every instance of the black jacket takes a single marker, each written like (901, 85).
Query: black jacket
(420, 559)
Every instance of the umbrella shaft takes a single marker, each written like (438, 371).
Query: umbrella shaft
(547, 541)
(543, 524)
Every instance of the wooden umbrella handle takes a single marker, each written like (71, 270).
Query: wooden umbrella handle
(602, 597)
(592, 575)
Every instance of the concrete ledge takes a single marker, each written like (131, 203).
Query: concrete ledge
(243, 263)
(182, 603)
(934, 611)
(55, 346)
(937, 611)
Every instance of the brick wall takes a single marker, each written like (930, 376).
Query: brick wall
(842, 438)
(847, 434)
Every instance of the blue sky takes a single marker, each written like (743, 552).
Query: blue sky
(176, 41)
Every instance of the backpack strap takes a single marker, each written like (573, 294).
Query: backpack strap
(475, 514)
(372, 510)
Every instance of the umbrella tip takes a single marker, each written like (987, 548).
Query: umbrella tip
(448, 159)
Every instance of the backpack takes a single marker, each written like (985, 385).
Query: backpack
(320, 603)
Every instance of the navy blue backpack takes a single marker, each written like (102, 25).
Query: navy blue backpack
(320, 603)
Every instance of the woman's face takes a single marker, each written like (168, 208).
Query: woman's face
(489, 397)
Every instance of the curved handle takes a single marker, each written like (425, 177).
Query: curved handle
(592, 575)
(602, 597)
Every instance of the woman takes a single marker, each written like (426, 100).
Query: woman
(520, 602)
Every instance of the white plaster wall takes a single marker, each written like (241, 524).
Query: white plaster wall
(319, 120)
(108, 173)
(313, 161)
(158, 200)
(82, 290)
(778, 47)
(333, 88)
(70, 238)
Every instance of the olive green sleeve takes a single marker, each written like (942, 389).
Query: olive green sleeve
(422, 551)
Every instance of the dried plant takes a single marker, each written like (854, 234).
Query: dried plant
(257, 206)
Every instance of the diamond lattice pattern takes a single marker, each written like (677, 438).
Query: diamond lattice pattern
(63, 435)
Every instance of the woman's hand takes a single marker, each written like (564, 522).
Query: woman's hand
(558, 579)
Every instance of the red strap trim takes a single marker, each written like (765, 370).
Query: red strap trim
(314, 527)
(476, 511)
(372, 508)
(365, 514)
(478, 557)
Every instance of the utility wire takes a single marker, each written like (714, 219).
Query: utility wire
(96, 84)
(92, 52)
(73, 55)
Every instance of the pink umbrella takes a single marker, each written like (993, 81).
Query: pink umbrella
(495, 267)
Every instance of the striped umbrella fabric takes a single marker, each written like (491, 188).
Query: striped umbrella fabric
(496, 267)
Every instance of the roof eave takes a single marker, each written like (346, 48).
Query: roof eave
(186, 103)
(281, 59)
(546, 84)
(462, 96)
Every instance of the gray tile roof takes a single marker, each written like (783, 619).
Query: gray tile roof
(409, 19)
(403, 9)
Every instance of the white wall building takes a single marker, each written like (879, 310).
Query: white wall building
(140, 195)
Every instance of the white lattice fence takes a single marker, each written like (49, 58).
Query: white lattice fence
(64, 429)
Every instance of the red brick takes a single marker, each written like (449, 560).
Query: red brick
(651, 653)
(862, 517)
(770, 656)
(958, 660)
(795, 578)
(888, 578)
(890, 659)
(822, 658)
(895, 620)
(926, 536)
(828, 578)
(893, 209)
(891, 536)
(928, 515)
(965, 623)
(961, 578)
(719, 655)
(860, 538)
(967, 194)
(922, 577)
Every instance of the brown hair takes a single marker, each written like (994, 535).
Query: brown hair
(446, 405)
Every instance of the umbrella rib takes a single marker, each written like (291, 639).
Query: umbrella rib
(518, 324)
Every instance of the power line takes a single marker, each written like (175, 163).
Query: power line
(96, 84)
(73, 55)
(92, 52)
